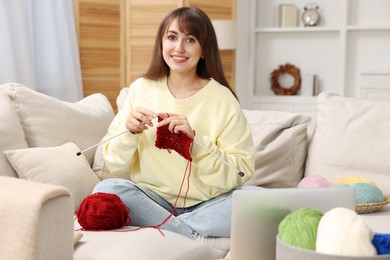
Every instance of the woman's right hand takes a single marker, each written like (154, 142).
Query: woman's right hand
(139, 119)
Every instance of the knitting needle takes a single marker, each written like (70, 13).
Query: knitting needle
(102, 142)
(198, 143)
(219, 158)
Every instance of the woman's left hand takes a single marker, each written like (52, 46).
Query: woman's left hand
(176, 123)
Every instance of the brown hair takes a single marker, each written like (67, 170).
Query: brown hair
(194, 22)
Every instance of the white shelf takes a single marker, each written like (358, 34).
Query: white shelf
(353, 37)
(296, 29)
(368, 28)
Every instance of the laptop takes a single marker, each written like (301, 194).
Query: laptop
(256, 215)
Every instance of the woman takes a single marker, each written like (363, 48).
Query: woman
(186, 89)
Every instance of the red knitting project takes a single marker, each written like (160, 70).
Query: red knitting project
(104, 211)
(181, 142)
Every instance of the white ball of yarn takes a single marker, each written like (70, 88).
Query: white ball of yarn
(342, 231)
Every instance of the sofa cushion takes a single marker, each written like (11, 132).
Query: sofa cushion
(145, 244)
(47, 121)
(57, 165)
(280, 141)
(351, 138)
(11, 133)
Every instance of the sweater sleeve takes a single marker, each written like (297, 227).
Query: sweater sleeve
(234, 149)
(120, 153)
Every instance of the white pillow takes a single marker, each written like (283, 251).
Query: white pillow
(280, 142)
(351, 138)
(48, 121)
(11, 133)
(55, 165)
(120, 100)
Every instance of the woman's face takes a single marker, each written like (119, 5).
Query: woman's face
(180, 51)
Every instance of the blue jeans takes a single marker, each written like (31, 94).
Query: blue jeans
(209, 218)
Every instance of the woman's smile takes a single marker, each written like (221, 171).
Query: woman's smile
(179, 59)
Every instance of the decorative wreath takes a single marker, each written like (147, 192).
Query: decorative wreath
(289, 69)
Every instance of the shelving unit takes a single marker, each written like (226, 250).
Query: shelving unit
(348, 48)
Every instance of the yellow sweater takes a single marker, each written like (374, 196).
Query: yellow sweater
(215, 115)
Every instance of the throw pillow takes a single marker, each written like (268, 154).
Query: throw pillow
(11, 132)
(48, 121)
(351, 138)
(57, 165)
(280, 142)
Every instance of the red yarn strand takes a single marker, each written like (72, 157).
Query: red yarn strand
(189, 166)
(105, 211)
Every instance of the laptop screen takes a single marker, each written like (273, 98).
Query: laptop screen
(256, 215)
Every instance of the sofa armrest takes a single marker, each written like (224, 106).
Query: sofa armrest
(36, 220)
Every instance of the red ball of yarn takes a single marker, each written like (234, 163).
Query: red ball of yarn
(103, 211)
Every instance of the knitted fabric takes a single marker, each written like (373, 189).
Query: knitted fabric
(180, 142)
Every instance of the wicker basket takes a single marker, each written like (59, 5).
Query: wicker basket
(371, 207)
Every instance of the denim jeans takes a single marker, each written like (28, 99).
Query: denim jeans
(209, 218)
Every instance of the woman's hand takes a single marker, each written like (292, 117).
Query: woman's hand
(176, 123)
(139, 119)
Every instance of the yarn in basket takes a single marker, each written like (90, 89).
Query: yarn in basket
(342, 231)
(313, 181)
(382, 243)
(367, 193)
(299, 228)
(353, 179)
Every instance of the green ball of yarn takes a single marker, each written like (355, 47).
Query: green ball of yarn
(299, 228)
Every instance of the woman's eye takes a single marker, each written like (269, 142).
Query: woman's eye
(171, 37)
(191, 40)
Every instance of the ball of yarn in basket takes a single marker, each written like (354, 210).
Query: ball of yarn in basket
(299, 228)
(342, 231)
(353, 179)
(313, 181)
(367, 193)
(382, 243)
(103, 211)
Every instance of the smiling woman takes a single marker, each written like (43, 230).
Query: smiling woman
(39, 47)
(186, 89)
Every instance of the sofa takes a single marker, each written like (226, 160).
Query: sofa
(43, 181)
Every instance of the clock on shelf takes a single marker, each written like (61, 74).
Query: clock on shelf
(311, 15)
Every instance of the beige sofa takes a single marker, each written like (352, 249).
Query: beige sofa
(42, 181)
